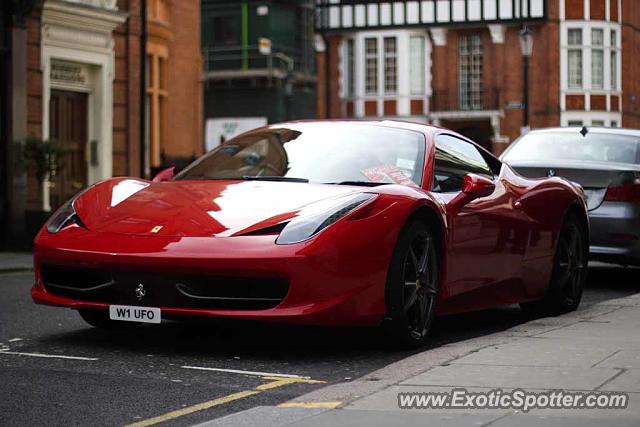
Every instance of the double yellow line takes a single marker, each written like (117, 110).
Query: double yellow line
(274, 382)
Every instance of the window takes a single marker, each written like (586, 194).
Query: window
(158, 10)
(597, 58)
(574, 123)
(599, 46)
(371, 65)
(226, 30)
(305, 37)
(350, 69)
(597, 123)
(614, 60)
(614, 124)
(416, 70)
(470, 72)
(574, 58)
(572, 146)
(390, 65)
(156, 102)
(455, 159)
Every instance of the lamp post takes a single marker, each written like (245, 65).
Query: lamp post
(526, 46)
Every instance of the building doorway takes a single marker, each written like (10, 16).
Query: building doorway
(479, 131)
(68, 127)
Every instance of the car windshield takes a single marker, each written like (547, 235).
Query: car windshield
(603, 147)
(317, 152)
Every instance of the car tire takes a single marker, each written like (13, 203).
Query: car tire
(412, 286)
(569, 273)
(100, 319)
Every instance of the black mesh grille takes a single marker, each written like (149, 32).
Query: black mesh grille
(75, 276)
(165, 289)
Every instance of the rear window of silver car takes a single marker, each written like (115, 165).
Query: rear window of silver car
(601, 147)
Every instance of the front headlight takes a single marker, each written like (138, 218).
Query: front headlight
(63, 217)
(318, 216)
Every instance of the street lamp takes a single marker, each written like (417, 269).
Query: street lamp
(526, 46)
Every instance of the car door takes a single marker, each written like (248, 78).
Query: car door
(486, 245)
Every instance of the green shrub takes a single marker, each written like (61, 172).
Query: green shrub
(46, 156)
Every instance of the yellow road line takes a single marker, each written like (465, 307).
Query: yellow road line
(309, 404)
(279, 382)
(195, 408)
(275, 383)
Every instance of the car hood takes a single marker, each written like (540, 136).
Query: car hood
(196, 208)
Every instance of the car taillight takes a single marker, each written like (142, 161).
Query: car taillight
(623, 193)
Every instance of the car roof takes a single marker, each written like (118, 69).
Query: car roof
(420, 127)
(595, 129)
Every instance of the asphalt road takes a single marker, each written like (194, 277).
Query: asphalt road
(127, 376)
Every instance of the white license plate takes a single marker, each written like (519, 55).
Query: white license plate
(132, 313)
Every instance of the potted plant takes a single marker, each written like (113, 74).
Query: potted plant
(44, 156)
(43, 159)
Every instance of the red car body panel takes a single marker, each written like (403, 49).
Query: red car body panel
(495, 250)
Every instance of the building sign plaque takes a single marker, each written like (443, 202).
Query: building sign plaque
(68, 72)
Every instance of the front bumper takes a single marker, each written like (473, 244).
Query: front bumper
(615, 233)
(337, 279)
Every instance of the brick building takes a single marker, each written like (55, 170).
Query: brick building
(458, 63)
(174, 83)
(74, 71)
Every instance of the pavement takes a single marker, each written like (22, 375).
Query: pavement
(594, 349)
(15, 261)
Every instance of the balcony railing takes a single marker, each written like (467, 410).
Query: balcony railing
(443, 100)
(236, 58)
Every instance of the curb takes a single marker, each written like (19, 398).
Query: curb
(12, 270)
(16, 262)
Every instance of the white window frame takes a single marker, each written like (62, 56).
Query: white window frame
(591, 118)
(587, 55)
(597, 51)
(587, 116)
(404, 93)
(577, 48)
(474, 99)
(614, 55)
(417, 64)
(369, 56)
(349, 68)
(390, 66)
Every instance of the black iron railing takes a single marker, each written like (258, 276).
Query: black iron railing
(226, 58)
(444, 100)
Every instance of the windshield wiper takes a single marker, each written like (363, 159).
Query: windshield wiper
(273, 178)
(360, 183)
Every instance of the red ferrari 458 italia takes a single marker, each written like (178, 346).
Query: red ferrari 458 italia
(337, 223)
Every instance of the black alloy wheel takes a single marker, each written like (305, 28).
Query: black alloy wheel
(412, 286)
(571, 266)
(569, 273)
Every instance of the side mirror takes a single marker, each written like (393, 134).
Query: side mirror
(478, 186)
(473, 187)
(165, 175)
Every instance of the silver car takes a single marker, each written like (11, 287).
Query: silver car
(606, 162)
